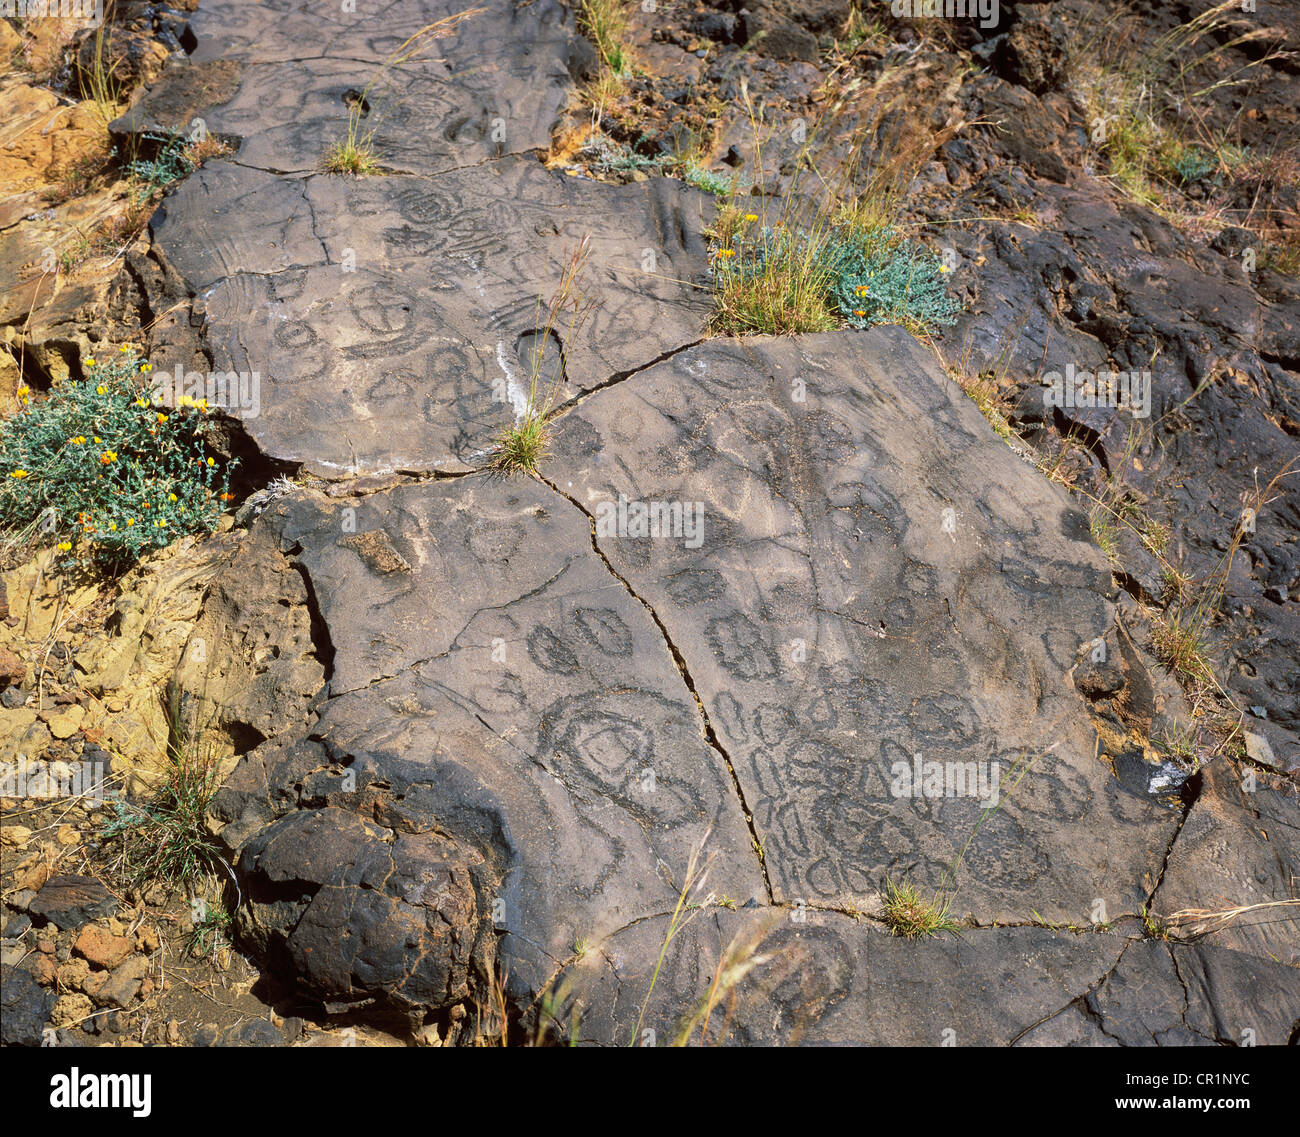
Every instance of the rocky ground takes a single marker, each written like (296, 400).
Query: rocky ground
(477, 749)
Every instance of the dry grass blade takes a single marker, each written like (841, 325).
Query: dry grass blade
(1201, 922)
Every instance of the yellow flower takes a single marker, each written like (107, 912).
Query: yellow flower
(146, 367)
(64, 546)
(90, 363)
(859, 312)
(22, 392)
(97, 440)
(172, 497)
(19, 474)
(108, 456)
(751, 216)
(212, 461)
(130, 521)
(186, 401)
(112, 526)
(80, 440)
(101, 390)
(142, 402)
(162, 417)
(125, 348)
(943, 268)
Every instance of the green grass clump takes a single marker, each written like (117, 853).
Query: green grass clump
(521, 448)
(909, 915)
(97, 461)
(775, 283)
(165, 839)
(355, 156)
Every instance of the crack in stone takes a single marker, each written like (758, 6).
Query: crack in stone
(709, 734)
(619, 377)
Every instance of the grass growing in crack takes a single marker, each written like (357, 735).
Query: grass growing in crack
(1104, 531)
(911, 916)
(521, 446)
(355, 153)
(907, 913)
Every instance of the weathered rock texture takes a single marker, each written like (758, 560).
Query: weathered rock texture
(486, 731)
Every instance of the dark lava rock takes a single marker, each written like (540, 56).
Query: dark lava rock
(363, 912)
(1179, 995)
(719, 26)
(483, 722)
(1033, 52)
(69, 901)
(768, 32)
(26, 1007)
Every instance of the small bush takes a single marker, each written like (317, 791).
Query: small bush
(902, 284)
(98, 460)
(172, 163)
(696, 175)
(781, 282)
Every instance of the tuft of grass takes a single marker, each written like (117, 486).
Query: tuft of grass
(1141, 103)
(210, 932)
(165, 839)
(907, 913)
(1105, 533)
(99, 82)
(1154, 927)
(1178, 642)
(605, 23)
(830, 254)
(355, 154)
(521, 447)
(911, 916)
(1180, 745)
(775, 284)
